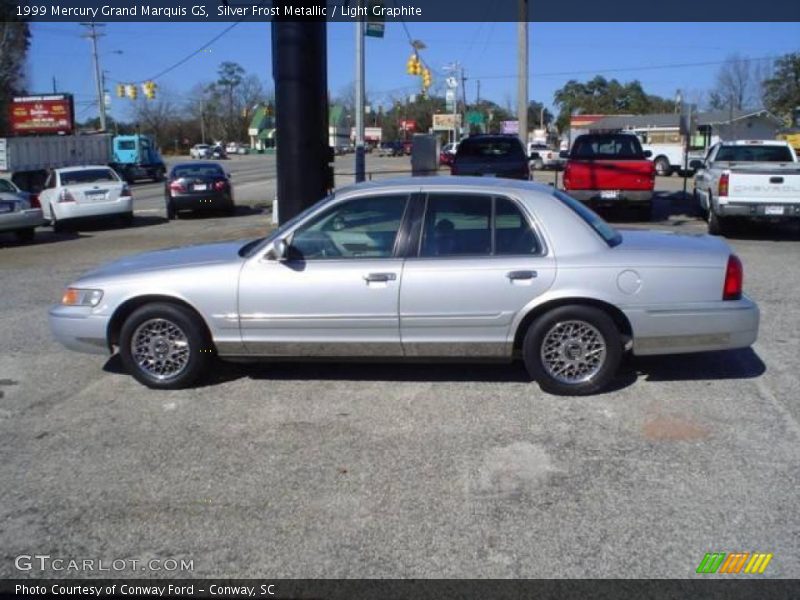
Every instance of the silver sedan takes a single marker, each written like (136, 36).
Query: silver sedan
(425, 268)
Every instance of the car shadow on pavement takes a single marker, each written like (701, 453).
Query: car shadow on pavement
(742, 363)
(114, 224)
(241, 211)
(762, 231)
(42, 236)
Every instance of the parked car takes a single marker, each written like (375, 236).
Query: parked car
(198, 186)
(419, 268)
(93, 191)
(391, 149)
(610, 168)
(200, 151)
(447, 154)
(543, 157)
(491, 156)
(218, 152)
(20, 212)
(754, 179)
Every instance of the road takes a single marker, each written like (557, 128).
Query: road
(393, 470)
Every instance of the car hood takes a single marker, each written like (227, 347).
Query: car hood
(171, 258)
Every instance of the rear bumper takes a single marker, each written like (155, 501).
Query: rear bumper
(202, 200)
(643, 196)
(23, 219)
(73, 210)
(758, 209)
(76, 328)
(716, 326)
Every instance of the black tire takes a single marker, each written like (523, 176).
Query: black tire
(126, 220)
(231, 209)
(160, 175)
(57, 225)
(172, 214)
(597, 324)
(25, 235)
(662, 166)
(716, 225)
(199, 353)
(696, 199)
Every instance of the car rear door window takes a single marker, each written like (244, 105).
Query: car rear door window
(475, 225)
(359, 228)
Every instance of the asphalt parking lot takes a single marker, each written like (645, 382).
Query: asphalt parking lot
(393, 470)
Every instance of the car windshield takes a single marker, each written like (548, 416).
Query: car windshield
(611, 236)
(87, 176)
(754, 153)
(253, 247)
(491, 148)
(197, 172)
(609, 147)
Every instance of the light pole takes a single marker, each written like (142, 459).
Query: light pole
(359, 83)
(93, 34)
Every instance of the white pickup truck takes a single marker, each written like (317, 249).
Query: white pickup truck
(747, 179)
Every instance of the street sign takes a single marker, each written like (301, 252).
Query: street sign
(475, 117)
(375, 29)
(450, 99)
(452, 82)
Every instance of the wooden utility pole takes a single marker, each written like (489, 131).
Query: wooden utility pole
(522, 71)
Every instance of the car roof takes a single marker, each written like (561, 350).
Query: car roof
(443, 181)
(195, 163)
(82, 168)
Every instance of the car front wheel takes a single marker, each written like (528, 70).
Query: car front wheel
(573, 350)
(165, 346)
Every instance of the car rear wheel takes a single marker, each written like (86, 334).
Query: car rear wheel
(662, 166)
(126, 219)
(57, 225)
(165, 346)
(172, 214)
(717, 225)
(573, 350)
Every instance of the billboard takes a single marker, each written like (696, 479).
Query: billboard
(52, 113)
(446, 122)
(509, 126)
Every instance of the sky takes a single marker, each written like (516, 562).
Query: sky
(662, 56)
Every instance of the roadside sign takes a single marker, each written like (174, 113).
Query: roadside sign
(375, 29)
(475, 117)
(446, 122)
(452, 82)
(450, 99)
(509, 126)
(51, 113)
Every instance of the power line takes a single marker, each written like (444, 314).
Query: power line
(621, 69)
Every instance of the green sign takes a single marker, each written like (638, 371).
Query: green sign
(375, 29)
(475, 118)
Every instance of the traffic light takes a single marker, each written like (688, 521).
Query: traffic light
(426, 78)
(120, 90)
(149, 89)
(133, 92)
(413, 66)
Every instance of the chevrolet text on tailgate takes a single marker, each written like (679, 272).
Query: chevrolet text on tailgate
(757, 179)
(610, 168)
(421, 268)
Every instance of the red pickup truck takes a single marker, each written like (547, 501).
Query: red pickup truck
(609, 168)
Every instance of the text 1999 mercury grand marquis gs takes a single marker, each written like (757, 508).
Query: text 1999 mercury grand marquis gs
(435, 268)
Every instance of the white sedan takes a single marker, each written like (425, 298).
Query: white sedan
(82, 192)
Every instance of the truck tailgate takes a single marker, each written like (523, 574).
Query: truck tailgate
(757, 186)
(609, 175)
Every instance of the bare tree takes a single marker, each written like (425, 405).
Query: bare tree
(157, 116)
(738, 84)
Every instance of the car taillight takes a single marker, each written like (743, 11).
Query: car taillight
(34, 201)
(126, 190)
(177, 186)
(220, 185)
(734, 276)
(722, 189)
(66, 196)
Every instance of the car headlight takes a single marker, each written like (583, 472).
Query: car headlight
(77, 297)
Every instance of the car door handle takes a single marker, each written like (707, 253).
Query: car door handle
(514, 275)
(379, 277)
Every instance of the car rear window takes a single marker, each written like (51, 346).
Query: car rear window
(607, 147)
(754, 153)
(5, 186)
(87, 176)
(611, 236)
(492, 148)
(197, 172)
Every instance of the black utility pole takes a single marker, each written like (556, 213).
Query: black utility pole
(299, 67)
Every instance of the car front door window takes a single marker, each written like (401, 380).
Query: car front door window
(359, 228)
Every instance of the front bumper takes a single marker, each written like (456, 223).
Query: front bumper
(623, 196)
(722, 325)
(79, 329)
(23, 219)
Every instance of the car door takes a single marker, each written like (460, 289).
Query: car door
(479, 261)
(336, 292)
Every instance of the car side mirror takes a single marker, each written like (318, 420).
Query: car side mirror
(648, 154)
(563, 154)
(280, 250)
(696, 165)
